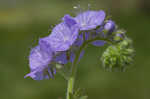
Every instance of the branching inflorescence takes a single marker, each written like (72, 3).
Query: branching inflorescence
(67, 42)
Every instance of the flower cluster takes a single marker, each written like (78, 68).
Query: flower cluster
(119, 56)
(66, 38)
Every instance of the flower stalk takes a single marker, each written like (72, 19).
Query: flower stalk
(71, 80)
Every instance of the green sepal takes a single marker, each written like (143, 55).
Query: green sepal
(63, 70)
(107, 18)
(117, 38)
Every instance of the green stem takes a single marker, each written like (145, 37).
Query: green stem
(71, 80)
(70, 87)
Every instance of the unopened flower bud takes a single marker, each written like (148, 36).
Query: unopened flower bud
(118, 57)
(109, 26)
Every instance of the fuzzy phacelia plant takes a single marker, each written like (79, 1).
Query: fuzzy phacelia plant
(63, 48)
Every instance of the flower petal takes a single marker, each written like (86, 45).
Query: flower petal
(62, 37)
(69, 20)
(98, 43)
(90, 19)
(39, 60)
(109, 26)
(62, 58)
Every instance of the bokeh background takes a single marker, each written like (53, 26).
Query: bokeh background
(23, 22)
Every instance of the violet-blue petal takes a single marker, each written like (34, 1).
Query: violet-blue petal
(62, 58)
(39, 74)
(69, 21)
(45, 46)
(90, 19)
(62, 37)
(109, 26)
(50, 72)
(98, 43)
(87, 35)
(72, 56)
(36, 75)
(79, 41)
(39, 60)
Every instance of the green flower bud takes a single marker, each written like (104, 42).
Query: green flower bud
(118, 57)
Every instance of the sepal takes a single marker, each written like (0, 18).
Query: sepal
(63, 70)
(119, 35)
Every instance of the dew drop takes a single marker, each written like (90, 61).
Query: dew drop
(75, 7)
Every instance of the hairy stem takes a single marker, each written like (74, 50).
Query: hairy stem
(71, 80)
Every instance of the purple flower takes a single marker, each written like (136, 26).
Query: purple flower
(62, 36)
(90, 19)
(39, 61)
(110, 26)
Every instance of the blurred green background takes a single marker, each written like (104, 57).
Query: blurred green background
(23, 22)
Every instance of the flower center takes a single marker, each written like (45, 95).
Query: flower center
(83, 24)
(66, 38)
